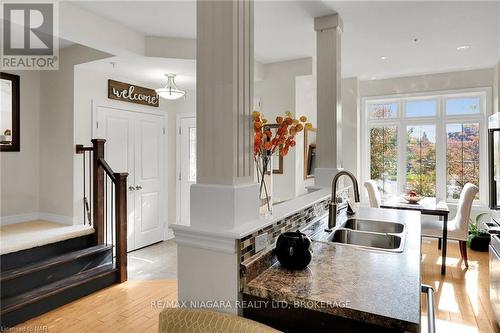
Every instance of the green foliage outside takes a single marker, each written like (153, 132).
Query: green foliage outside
(462, 155)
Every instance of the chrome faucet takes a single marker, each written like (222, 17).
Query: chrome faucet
(332, 214)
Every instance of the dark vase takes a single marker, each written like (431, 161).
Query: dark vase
(480, 242)
(293, 250)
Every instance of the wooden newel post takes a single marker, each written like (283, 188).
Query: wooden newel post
(98, 188)
(121, 224)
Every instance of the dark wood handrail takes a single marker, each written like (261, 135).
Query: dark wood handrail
(100, 168)
(80, 149)
(102, 163)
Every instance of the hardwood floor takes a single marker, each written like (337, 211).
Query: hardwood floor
(461, 299)
(129, 307)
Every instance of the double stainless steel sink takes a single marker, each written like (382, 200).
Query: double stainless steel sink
(370, 234)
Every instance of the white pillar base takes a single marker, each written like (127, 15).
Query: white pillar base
(205, 275)
(223, 206)
(323, 177)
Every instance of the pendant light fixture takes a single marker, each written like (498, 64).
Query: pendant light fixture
(170, 91)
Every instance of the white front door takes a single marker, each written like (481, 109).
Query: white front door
(148, 172)
(135, 144)
(187, 172)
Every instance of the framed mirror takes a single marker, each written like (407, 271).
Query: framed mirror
(9, 113)
(309, 152)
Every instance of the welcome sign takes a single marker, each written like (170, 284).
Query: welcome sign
(131, 93)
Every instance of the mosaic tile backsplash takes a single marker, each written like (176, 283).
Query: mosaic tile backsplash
(290, 223)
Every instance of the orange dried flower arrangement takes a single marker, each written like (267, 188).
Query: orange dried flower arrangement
(266, 143)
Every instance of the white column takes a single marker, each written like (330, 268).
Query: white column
(496, 89)
(225, 194)
(329, 137)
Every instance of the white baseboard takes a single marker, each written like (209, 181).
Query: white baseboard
(57, 218)
(169, 234)
(12, 219)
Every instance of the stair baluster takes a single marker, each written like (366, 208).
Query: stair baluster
(109, 220)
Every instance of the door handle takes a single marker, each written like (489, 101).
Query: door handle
(131, 188)
(138, 187)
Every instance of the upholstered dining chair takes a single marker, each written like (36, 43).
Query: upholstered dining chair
(373, 193)
(182, 320)
(458, 228)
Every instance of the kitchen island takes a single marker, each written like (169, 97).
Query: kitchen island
(344, 288)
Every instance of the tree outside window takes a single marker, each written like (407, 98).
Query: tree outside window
(421, 160)
(437, 130)
(462, 155)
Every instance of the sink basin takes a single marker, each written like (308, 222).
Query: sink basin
(374, 226)
(372, 240)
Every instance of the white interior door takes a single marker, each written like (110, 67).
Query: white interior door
(117, 127)
(135, 144)
(149, 199)
(187, 163)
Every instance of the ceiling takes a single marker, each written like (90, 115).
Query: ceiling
(147, 70)
(284, 30)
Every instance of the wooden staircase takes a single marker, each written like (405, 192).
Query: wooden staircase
(37, 280)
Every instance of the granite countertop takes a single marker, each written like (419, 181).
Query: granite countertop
(377, 287)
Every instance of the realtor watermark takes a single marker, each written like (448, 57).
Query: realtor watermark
(29, 35)
(36, 328)
(261, 304)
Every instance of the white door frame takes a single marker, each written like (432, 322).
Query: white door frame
(178, 163)
(132, 108)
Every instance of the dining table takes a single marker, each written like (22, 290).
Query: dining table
(426, 206)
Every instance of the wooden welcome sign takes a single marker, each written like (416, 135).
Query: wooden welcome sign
(131, 93)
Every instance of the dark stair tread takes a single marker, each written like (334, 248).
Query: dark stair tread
(34, 295)
(63, 258)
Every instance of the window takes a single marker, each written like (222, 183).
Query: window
(430, 144)
(421, 108)
(421, 159)
(462, 106)
(383, 111)
(383, 165)
(462, 156)
(192, 154)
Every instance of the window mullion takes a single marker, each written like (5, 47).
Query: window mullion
(440, 121)
(401, 177)
(441, 152)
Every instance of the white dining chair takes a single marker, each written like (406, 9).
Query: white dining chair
(458, 228)
(373, 193)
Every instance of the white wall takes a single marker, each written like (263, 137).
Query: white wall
(43, 183)
(431, 82)
(305, 105)
(277, 95)
(496, 89)
(427, 83)
(91, 89)
(56, 132)
(170, 47)
(91, 85)
(182, 107)
(86, 28)
(20, 171)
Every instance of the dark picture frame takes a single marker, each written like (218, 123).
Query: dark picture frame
(492, 157)
(309, 153)
(311, 160)
(15, 143)
(277, 169)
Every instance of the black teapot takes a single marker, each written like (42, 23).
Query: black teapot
(293, 250)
